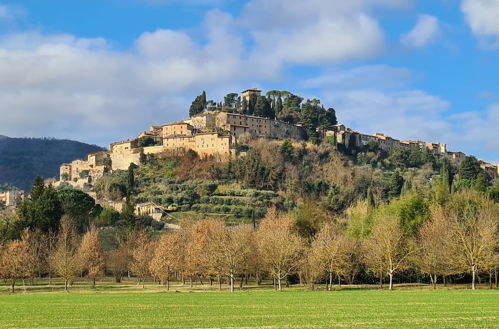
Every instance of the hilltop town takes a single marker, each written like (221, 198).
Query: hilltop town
(216, 134)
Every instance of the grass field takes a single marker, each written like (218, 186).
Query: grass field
(355, 308)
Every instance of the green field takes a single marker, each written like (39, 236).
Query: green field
(254, 309)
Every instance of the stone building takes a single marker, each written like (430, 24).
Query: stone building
(356, 140)
(252, 91)
(239, 125)
(11, 198)
(81, 172)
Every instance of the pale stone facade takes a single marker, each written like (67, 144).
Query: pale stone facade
(252, 91)
(11, 198)
(78, 173)
(240, 124)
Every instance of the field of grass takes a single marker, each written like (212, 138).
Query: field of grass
(347, 308)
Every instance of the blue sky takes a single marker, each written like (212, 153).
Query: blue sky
(103, 70)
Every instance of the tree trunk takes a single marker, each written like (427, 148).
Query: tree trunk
(200, 281)
(274, 283)
(191, 281)
(435, 278)
(143, 283)
(231, 283)
(445, 282)
(279, 283)
(495, 274)
(339, 281)
(168, 284)
(381, 280)
(241, 283)
(93, 284)
(66, 281)
(473, 274)
(490, 279)
(219, 283)
(13, 286)
(390, 287)
(330, 283)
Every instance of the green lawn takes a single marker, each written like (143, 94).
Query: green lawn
(253, 309)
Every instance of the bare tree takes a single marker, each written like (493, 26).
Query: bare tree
(198, 259)
(167, 257)
(230, 251)
(91, 255)
(387, 249)
(64, 260)
(329, 253)
(40, 249)
(474, 233)
(16, 260)
(118, 261)
(142, 253)
(436, 253)
(280, 248)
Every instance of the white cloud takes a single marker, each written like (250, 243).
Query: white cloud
(314, 31)
(426, 30)
(65, 86)
(479, 128)
(483, 18)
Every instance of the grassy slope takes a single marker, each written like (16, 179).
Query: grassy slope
(290, 309)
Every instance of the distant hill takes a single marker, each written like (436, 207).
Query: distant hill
(22, 159)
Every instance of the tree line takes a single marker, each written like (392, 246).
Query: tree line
(458, 241)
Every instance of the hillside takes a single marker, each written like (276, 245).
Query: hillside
(22, 159)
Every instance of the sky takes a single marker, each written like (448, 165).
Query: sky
(100, 71)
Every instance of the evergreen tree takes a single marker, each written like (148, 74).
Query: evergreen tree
(43, 213)
(203, 99)
(469, 169)
(330, 118)
(244, 106)
(262, 107)
(287, 149)
(79, 206)
(371, 201)
(37, 189)
(428, 157)
(446, 174)
(310, 112)
(252, 103)
(198, 105)
(395, 184)
(278, 106)
(481, 183)
(130, 189)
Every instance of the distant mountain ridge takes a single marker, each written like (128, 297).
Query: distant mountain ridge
(22, 159)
